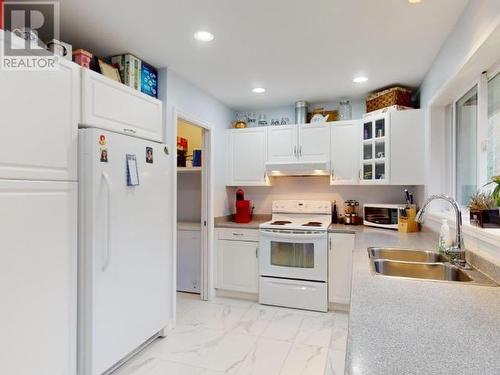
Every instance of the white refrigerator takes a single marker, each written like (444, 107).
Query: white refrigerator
(124, 254)
(38, 220)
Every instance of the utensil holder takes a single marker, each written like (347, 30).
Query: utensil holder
(408, 224)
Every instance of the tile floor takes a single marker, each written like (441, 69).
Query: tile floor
(237, 337)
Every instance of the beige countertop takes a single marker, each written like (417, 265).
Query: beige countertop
(228, 221)
(405, 326)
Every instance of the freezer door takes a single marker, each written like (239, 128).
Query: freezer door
(38, 277)
(126, 255)
(40, 112)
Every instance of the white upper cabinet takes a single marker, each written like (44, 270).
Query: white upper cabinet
(282, 145)
(407, 147)
(375, 149)
(247, 157)
(110, 105)
(295, 143)
(345, 153)
(40, 112)
(314, 142)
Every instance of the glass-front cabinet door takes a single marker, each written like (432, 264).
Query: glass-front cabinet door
(374, 158)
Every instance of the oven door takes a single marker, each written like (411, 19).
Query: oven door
(293, 254)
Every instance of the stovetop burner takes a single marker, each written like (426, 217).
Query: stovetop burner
(281, 222)
(312, 224)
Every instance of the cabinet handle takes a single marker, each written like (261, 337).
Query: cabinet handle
(359, 174)
(257, 252)
(300, 150)
(126, 130)
(295, 151)
(332, 175)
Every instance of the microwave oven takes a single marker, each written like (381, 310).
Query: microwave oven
(381, 215)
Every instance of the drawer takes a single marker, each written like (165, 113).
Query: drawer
(298, 294)
(237, 234)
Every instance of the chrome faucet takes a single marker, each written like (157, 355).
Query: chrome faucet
(457, 251)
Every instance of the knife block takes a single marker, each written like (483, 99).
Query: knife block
(408, 224)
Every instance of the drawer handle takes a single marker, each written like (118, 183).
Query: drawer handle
(126, 130)
(237, 234)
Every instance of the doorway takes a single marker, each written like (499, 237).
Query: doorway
(193, 207)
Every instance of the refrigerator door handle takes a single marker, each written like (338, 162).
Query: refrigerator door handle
(107, 226)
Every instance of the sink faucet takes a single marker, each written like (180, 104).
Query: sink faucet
(457, 250)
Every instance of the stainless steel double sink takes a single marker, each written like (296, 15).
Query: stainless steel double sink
(422, 264)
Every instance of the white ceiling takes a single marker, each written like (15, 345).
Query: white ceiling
(309, 49)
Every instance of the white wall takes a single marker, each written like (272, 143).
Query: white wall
(189, 99)
(479, 19)
(471, 48)
(358, 109)
(179, 95)
(318, 188)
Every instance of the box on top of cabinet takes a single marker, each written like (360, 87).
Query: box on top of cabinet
(137, 74)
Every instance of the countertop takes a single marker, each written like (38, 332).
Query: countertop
(228, 221)
(403, 326)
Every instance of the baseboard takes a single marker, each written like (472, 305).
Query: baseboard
(338, 307)
(237, 295)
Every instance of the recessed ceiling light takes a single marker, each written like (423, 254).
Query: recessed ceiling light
(258, 90)
(414, 1)
(204, 36)
(360, 79)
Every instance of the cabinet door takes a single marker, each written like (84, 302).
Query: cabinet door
(247, 157)
(314, 142)
(407, 147)
(38, 277)
(237, 266)
(40, 112)
(375, 150)
(188, 260)
(282, 145)
(341, 247)
(345, 168)
(110, 105)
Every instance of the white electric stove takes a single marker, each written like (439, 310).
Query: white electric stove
(293, 260)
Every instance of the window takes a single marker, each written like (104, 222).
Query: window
(493, 140)
(466, 118)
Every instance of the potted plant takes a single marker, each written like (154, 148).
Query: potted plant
(483, 210)
(496, 190)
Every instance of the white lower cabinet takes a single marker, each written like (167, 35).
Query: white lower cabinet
(237, 265)
(341, 247)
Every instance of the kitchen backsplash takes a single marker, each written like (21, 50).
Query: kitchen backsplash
(318, 188)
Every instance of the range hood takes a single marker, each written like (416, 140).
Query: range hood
(298, 168)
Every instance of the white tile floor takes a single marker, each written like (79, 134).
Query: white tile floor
(236, 337)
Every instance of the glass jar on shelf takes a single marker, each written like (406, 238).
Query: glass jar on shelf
(345, 110)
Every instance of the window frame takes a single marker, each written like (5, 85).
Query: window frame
(481, 83)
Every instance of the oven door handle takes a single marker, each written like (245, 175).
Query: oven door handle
(293, 236)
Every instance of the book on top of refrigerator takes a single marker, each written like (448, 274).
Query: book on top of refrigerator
(137, 74)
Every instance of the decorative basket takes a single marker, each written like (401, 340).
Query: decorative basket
(393, 96)
(332, 115)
